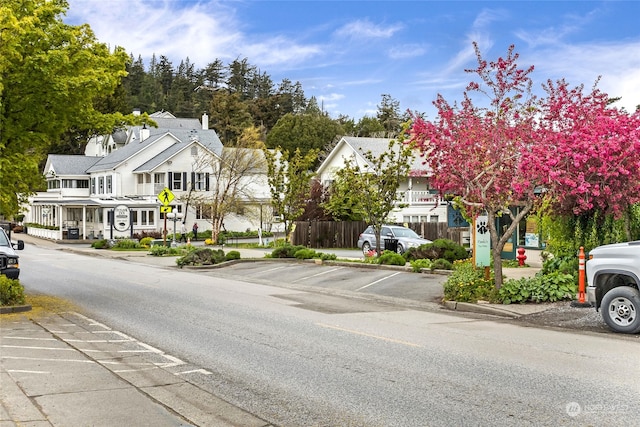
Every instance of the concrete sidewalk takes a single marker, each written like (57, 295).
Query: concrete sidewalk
(68, 370)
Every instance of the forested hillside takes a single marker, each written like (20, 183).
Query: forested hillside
(237, 96)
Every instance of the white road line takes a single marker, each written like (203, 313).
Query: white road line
(21, 371)
(319, 274)
(194, 371)
(377, 281)
(37, 348)
(271, 269)
(364, 334)
(46, 360)
(29, 338)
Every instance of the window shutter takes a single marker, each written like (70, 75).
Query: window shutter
(170, 183)
(184, 181)
(206, 182)
(193, 181)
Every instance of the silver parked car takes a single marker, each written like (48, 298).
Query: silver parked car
(406, 238)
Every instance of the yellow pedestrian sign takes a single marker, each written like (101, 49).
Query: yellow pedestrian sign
(165, 209)
(166, 196)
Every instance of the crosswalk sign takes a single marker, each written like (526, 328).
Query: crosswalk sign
(165, 209)
(166, 196)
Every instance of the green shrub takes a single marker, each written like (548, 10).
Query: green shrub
(202, 256)
(286, 251)
(11, 291)
(418, 264)
(100, 244)
(439, 248)
(159, 250)
(306, 253)
(551, 287)
(566, 265)
(467, 284)
(327, 257)
(391, 258)
(231, 255)
(146, 241)
(126, 244)
(441, 264)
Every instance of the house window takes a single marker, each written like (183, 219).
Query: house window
(176, 183)
(199, 183)
(52, 185)
(101, 185)
(203, 212)
(434, 218)
(109, 184)
(147, 217)
(140, 179)
(158, 178)
(93, 186)
(134, 217)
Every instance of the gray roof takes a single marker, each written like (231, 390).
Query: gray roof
(69, 164)
(184, 130)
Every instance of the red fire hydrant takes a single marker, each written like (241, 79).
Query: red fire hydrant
(521, 257)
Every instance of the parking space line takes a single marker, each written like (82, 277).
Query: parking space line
(319, 274)
(378, 281)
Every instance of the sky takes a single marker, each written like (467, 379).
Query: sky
(349, 53)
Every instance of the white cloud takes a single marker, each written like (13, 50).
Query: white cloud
(617, 63)
(201, 31)
(365, 29)
(411, 50)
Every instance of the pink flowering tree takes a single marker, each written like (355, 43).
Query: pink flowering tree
(591, 152)
(476, 151)
(497, 154)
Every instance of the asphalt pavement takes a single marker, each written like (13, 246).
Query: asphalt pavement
(69, 370)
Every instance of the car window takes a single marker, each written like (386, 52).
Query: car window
(406, 232)
(386, 231)
(369, 230)
(3, 239)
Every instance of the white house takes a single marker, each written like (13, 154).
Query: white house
(422, 202)
(122, 175)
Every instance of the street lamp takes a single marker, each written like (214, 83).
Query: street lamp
(174, 216)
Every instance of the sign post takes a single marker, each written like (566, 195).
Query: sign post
(166, 197)
(482, 243)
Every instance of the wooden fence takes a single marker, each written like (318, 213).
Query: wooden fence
(344, 234)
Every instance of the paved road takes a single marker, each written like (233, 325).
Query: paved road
(293, 357)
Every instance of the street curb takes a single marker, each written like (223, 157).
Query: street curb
(14, 309)
(479, 308)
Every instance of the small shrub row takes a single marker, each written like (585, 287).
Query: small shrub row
(11, 291)
(555, 286)
(468, 284)
(300, 252)
(438, 249)
(161, 250)
(206, 256)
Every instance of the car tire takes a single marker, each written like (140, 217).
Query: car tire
(621, 309)
(400, 249)
(366, 247)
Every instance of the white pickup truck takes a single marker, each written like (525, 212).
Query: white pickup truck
(613, 283)
(8, 258)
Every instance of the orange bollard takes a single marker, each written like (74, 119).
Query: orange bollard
(581, 279)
